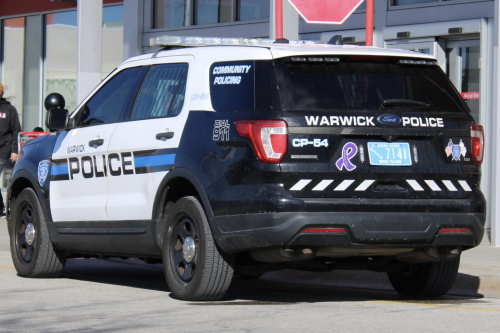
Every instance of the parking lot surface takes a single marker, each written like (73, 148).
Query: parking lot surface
(127, 295)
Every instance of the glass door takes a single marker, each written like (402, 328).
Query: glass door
(462, 67)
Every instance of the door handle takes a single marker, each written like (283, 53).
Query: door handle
(96, 143)
(165, 135)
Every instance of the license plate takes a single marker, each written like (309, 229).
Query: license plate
(389, 154)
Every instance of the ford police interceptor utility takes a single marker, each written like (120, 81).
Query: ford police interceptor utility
(222, 157)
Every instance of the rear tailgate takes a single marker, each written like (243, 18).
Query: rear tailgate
(374, 127)
(378, 161)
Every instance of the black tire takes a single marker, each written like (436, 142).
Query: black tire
(433, 279)
(205, 277)
(40, 259)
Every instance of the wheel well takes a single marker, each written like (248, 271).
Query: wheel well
(175, 189)
(19, 185)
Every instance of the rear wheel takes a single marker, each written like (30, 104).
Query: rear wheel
(433, 279)
(32, 251)
(195, 268)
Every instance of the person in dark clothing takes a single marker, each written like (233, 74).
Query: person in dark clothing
(9, 129)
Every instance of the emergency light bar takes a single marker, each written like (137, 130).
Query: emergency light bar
(209, 41)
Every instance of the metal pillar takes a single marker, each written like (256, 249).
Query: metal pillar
(88, 72)
(133, 15)
(369, 22)
(290, 21)
(494, 197)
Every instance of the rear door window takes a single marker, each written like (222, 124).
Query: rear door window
(162, 93)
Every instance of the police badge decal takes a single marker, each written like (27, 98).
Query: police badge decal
(43, 170)
(455, 150)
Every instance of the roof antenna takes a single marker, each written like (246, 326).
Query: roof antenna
(336, 40)
(281, 41)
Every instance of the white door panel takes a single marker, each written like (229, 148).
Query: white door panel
(78, 188)
(131, 196)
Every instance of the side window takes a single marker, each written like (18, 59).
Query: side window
(109, 103)
(162, 93)
(232, 85)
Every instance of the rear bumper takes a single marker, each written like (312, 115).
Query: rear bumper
(238, 233)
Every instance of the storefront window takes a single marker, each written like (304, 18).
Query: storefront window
(112, 39)
(213, 11)
(60, 56)
(13, 61)
(253, 10)
(169, 13)
(411, 2)
(13, 72)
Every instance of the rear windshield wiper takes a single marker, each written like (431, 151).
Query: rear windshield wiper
(403, 102)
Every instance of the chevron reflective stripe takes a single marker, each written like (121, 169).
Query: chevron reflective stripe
(465, 186)
(414, 185)
(322, 185)
(364, 185)
(300, 185)
(432, 184)
(449, 185)
(345, 184)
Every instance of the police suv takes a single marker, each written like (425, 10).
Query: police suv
(225, 157)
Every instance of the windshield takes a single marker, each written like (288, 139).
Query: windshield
(350, 84)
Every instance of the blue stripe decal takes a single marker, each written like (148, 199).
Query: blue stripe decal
(61, 169)
(155, 160)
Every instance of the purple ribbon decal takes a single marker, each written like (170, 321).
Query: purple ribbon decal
(349, 151)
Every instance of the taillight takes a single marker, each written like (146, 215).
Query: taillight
(269, 138)
(477, 142)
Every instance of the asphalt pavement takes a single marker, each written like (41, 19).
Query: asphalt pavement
(128, 295)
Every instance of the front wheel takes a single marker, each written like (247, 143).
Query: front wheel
(32, 251)
(195, 268)
(432, 279)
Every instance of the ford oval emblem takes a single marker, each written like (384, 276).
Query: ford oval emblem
(389, 119)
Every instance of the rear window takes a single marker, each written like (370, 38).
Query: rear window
(348, 84)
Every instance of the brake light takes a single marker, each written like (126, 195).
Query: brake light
(269, 138)
(477, 143)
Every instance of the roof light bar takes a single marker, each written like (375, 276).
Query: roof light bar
(417, 62)
(208, 41)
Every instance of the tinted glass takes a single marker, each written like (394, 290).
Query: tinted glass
(232, 85)
(112, 39)
(178, 103)
(158, 91)
(60, 56)
(213, 11)
(355, 85)
(109, 103)
(253, 9)
(411, 2)
(169, 13)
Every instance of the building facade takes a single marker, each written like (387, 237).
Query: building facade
(39, 47)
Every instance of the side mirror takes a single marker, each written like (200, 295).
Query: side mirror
(57, 119)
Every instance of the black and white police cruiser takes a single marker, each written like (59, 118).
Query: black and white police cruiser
(227, 156)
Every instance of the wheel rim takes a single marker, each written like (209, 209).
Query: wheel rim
(184, 248)
(26, 234)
